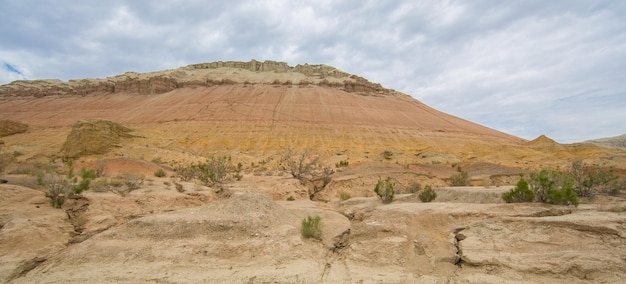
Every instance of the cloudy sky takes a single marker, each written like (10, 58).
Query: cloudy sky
(523, 67)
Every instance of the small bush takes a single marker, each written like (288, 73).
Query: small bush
(521, 193)
(563, 196)
(312, 227)
(86, 175)
(342, 164)
(290, 198)
(344, 196)
(59, 188)
(428, 194)
(385, 189)
(302, 166)
(159, 173)
(216, 169)
(460, 179)
(132, 181)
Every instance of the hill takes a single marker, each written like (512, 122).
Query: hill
(130, 159)
(614, 142)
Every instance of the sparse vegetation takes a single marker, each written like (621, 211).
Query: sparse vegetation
(385, 189)
(460, 179)
(344, 196)
(290, 198)
(589, 181)
(215, 170)
(159, 173)
(342, 164)
(300, 165)
(428, 194)
(59, 187)
(311, 227)
(521, 192)
(132, 181)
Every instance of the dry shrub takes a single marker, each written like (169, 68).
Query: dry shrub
(312, 227)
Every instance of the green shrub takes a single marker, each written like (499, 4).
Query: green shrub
(554, 187)
(428, 194)
(290, 198)
(159, 173)
(312, 227)
(385, 189)
(543, 181)
(521, 193)
(59, 188)
(216, 170)
(460, 179)
(86, 176)
(342, 164)
(563, 196)
(344, 196)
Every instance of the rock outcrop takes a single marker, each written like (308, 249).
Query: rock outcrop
(96, 136)
(196, 75)
(9, 127)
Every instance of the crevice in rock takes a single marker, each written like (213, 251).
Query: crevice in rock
(75, 209)
(25, 267)
(336, 252)
(458, 237)
(547, 213)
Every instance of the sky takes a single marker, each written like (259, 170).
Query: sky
(526, 67)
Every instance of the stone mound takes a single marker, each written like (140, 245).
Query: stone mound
(9, 127)
(95, 136)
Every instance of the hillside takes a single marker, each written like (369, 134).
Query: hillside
(259, 108)
(614, 142)
(150, 210)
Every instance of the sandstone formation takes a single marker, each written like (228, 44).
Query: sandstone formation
(95, 136)
(9, 127)
(196, 75)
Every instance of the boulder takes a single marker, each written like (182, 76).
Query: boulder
(95, 136)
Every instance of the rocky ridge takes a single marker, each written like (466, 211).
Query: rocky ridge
(614, 142)
(197, 75)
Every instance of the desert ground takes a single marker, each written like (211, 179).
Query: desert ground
(133, 225)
